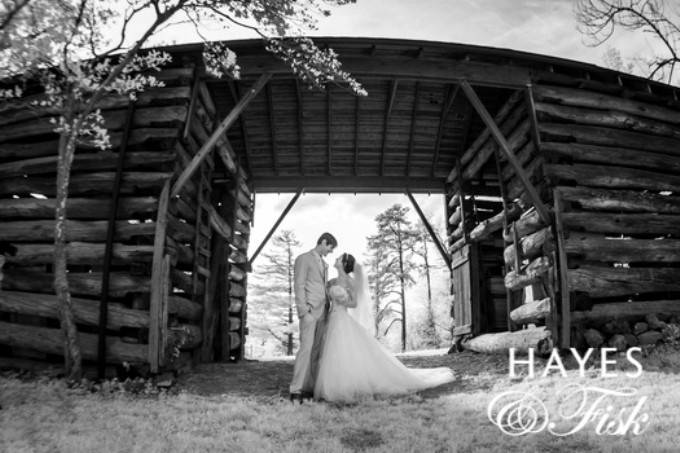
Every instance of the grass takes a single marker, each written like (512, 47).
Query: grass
(43, 415)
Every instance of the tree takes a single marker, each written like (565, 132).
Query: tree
(599, 19)
(279, 267)
(70, 55)
(391, 249)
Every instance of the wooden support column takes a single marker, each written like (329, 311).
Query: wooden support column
(565, 307)
(507, 151)
(430, 230)
(108, 252)
(218, 132)
(159, 287)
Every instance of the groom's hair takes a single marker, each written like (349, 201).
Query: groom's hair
(329, 238)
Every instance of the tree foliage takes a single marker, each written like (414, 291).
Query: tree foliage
(599, 19)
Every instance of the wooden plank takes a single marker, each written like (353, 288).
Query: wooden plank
(611, 176)
(219, 131)
(80, 283)
(595, 247)
(80, 253)
(411, 134)
(601, 281)
(644, 224)
(76, 230)
(159, 278)
(300, 128)
(394, 84)
(451, 94)
(618, 200)
(85, 311)
(272, 128)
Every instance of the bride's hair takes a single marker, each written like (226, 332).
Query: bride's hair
(348, 263)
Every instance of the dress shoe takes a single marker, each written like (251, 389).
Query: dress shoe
(295, 396)
(306, 396)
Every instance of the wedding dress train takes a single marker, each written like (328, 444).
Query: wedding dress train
(355, 365)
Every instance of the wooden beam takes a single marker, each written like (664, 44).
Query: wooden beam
(328, 131)
(274, 227)
(300, 125)
(236, 95)
(192, 104)
(388, 111)
(218, 132)
(348, 184)
(356, 135)
(430, 230)
(507, 151)
(451, 94)
(411, 133)
(565, 307)
(272, 128)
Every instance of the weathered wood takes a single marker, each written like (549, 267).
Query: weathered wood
(599, 101)
(236, 274)
(185, 336)
(183, 281)
(100, 161)
(538, 338)
(159, 281)
(76, 230)
(618, 310)
(235, 305)
(560, 256)
(529, 274)
(184, 308)
(528, 223)
(77, 208)
(608, 137)
(218, 132)
(237, 290)
(87, 184)
(234, 323)
(601, 281)
(531, 312)
(613, 177)
(80, 283)
(646, 223)
(85, 311)
(179, 231)
(80, 253)
(530, 246)
(578, 152)
(455, 218)
(619, 200)
(594, 247)
(51, 341)
(611, 118)
(517, 138)
(218, 224)
(489, 226)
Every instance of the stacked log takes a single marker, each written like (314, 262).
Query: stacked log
(28, 155)
(613, 162)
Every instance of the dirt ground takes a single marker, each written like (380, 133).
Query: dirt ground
(268, 379)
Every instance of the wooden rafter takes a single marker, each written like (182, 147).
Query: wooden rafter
(411, 135)
(507, 151)
(300, 130)
(430, 230)
(328, 130)
(388, 112)
(236, 95)
(272, 127)
(356, 135)
(208, 146)
(451, 94)
(349, 184)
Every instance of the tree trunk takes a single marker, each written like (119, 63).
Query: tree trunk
(402, 291)
(72, 355)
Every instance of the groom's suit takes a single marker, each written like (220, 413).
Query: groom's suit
(311, 274)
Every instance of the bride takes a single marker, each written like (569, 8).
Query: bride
(353, 363)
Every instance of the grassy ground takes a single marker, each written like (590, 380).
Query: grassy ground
(243, 408)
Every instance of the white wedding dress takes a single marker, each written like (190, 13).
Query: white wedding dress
(354, 365)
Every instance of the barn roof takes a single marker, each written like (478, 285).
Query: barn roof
(407, 132)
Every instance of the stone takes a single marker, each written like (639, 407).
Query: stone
(654, 322)
(165, 380)
(621, 326)
(650, 337)
(671, 332)
(640, 327)
(617, 341)
(593, 338)
(609, 328)
(631, 340)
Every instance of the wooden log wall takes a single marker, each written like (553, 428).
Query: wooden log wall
(28, 155)
(612, 158)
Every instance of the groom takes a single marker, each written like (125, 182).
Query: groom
(311, 275)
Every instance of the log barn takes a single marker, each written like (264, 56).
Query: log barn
(558, 176)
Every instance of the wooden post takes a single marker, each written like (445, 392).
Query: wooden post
(159, 288)
(111, 230)
(430, 230)
(565, 311)
(505, 147)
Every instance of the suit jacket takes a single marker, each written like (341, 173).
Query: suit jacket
(310, 283)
